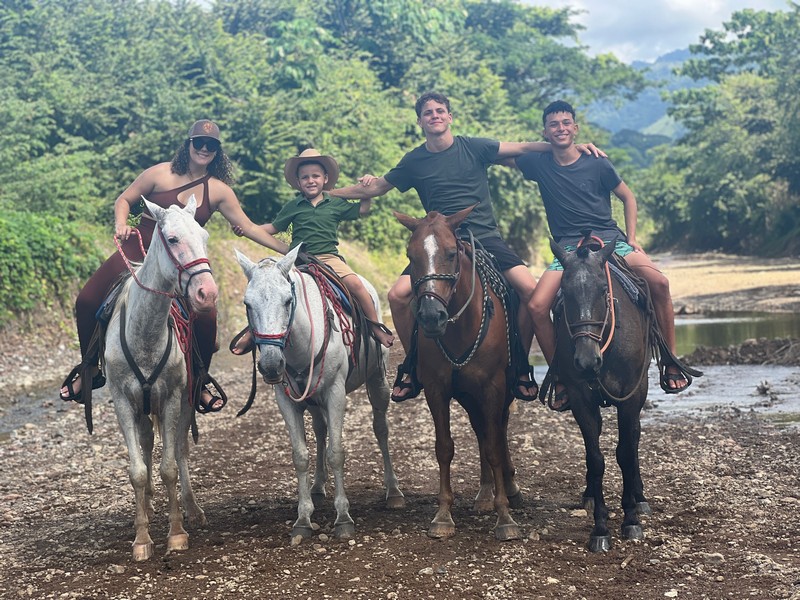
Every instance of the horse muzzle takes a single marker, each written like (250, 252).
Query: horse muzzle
(272, 366)
(432, 317)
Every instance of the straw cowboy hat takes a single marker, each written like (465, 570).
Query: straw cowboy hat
(313, 156)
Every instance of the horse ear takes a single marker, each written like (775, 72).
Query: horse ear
(191, 205)
(405, 220)
(558, 251)
(246, 264)
(154, 209)
(455, 220)
(287, 262)
(607, 250)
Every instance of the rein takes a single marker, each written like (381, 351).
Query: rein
(181, 268)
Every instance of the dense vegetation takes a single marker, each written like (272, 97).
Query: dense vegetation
(95, 91)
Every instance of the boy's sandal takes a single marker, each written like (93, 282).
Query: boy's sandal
(232, 346)
(380, 326)
(210, 386)
(408, 389)
(98, 381)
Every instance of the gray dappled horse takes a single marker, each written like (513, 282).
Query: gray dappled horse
(603, 351)
(175, 264)
(300, 346)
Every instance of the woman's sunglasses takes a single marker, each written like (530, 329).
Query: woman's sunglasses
(211, 144)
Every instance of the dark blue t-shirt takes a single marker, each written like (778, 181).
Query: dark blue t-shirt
(576, 196)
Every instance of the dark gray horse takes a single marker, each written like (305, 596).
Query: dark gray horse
(603, 350)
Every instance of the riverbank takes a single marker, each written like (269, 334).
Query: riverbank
(722, 483)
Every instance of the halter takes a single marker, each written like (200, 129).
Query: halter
(277, 339)
(610, 314)
(181, 268)
(454, 277)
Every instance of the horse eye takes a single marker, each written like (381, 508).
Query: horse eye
(172, 239)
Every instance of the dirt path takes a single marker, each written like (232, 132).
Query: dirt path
(723, 487)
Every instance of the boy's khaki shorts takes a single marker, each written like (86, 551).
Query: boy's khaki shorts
(337, 264)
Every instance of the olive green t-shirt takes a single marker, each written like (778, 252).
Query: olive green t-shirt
(317, 227)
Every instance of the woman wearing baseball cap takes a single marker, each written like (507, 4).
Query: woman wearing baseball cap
(201, 168)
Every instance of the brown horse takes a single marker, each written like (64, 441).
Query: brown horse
(463, 354)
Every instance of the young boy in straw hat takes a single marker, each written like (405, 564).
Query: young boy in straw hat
(315, 216)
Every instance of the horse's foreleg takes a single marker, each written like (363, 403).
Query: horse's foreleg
(293, 417)
(138, 473)
(177, 538)
(495, 449)
(484, 501)
(587, 415)
(633, 500)
(442, 525)
(147, 439)
(320, 427)
(378, 393)
(194, 514)
(344, 527)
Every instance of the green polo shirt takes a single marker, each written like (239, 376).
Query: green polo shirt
(316, 226)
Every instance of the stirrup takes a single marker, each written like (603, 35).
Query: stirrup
(413, 385)
(98, 381)
(208, 407)
(232, 346)
(529, 384)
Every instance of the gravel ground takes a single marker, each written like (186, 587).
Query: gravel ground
(723, 488)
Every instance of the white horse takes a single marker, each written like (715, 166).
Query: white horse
(301, 347)
(146, 369)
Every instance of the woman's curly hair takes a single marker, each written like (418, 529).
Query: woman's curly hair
(220, 167)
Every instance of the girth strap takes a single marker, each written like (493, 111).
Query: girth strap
(146, 383)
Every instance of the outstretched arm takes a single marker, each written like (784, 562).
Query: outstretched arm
(242, 225)
(367, 187)
(514, 149)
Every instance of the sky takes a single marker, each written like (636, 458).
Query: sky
(646, 29)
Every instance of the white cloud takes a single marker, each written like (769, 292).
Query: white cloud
(645, 30)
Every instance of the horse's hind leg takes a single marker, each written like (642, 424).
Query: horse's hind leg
(321, 467)
(378, 393)
(194, 514)
(633, 500)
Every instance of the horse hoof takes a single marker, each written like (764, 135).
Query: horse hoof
(599, 543)
(142, 551)
(587, 503)
(632, 532)
(643, 508)
(177, 542)
(396, 502)
(505, 533)
(197, 519)
(344, 531)
(302, 531)
(516, 501)
(439, 531)
(483, 506)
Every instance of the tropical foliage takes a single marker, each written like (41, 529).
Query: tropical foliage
(94, 91)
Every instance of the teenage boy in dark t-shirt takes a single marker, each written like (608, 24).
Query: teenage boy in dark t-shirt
(450, 173)
(576, 191)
